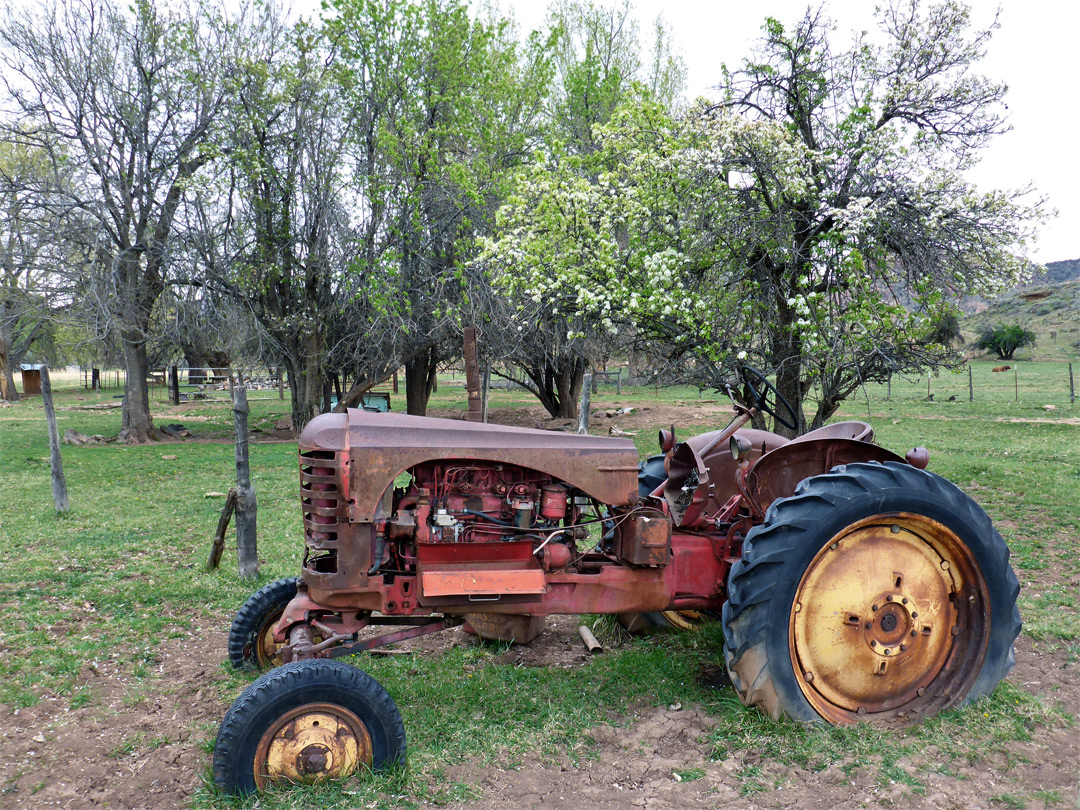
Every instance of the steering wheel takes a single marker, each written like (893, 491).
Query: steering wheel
(760, 390)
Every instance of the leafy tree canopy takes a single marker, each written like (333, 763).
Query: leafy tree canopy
(815, 220)
(1004, 340)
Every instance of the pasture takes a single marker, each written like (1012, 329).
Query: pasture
(112, 681)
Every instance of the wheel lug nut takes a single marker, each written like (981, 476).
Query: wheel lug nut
(914, 615)
(904, 600)
(888, 598)
(873, 643)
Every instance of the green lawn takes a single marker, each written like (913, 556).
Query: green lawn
(122, 575)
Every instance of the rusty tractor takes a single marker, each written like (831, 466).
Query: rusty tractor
(853, 584)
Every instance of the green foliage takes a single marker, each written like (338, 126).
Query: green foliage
(807, 222)
(1004, 340)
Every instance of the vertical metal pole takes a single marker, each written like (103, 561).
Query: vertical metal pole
(1016, 384)
(971, 386)
(486, 392)
(618, 382)
(1072, 388)
(59, 483)
(583, 410)
(888, 391)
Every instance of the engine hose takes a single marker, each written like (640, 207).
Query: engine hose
(487, 517)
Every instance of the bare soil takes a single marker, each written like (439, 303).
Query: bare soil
(142, 745)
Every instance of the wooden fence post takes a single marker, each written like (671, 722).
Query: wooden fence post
(59, 483)
(222, 526)
(472, 377)
(971, 386)
(247, 552)
(174, 386)
(1072, 388)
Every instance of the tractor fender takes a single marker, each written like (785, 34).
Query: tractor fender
(779, 471)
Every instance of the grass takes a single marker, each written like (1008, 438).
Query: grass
(108, 585)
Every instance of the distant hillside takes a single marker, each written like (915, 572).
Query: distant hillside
(1050, 310)
(1057, 272)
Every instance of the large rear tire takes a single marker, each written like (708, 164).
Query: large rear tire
(304, 722)
(876, 592)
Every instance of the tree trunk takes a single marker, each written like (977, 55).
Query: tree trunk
(7, 375)
(558, 384)
(304, 365)
(420, 381)
(8, 391)
(136, 427)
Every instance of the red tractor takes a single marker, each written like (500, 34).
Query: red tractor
(853, 585)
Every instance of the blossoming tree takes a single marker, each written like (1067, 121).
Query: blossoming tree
(816, 220)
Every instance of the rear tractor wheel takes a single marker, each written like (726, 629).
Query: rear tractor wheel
(305, 722)
(877, 592)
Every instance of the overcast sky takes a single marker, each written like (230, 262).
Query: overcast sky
(1034, 52)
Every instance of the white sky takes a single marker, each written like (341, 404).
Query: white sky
(1034, 52)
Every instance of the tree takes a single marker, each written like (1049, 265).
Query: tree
(445, 105)
(816, 221)
(129, 98)
(598, 65)
(26, 253)
(1005, 340)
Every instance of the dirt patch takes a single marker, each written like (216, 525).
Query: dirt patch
(140, 745)
(137, 745)
(663, 760)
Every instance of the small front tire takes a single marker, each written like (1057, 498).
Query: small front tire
(304, 722)
(251, 639)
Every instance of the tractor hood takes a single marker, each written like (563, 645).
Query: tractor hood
(374, 448)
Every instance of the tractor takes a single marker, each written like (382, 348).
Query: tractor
(853, 584)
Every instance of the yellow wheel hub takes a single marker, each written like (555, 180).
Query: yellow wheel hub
(684, 619)
(312, 742)
(268, 651)
(888, 617)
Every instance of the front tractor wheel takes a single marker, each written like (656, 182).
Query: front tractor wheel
(251, 637)
(305, 722)
(877, 592)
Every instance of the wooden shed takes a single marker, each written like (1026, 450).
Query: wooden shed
(31, 379)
